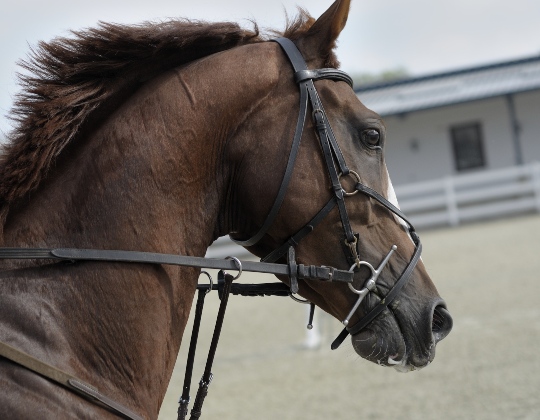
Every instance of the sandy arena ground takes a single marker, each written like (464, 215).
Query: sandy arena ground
(488, 368)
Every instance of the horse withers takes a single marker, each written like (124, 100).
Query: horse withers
(162, 138)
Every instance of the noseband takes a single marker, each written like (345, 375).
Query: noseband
(336, 168)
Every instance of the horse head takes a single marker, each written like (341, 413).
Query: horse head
(124, 134)
(405, 333)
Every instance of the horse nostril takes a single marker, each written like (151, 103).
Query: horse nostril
(441, 323)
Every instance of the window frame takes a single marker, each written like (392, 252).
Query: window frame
(461, 162)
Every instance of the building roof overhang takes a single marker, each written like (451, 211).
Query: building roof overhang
(449, 88)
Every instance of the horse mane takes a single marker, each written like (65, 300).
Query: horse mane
(68, 80)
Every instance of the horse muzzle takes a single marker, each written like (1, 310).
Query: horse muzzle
(391, 340)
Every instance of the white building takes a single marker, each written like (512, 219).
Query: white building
(464, 121)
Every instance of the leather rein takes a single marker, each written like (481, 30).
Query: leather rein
(336, 167)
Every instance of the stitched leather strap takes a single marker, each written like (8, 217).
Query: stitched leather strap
(304, 77)
(319, 74)
(286, 176)
(329, 144)
(65, 379)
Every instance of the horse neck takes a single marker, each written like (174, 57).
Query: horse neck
(135, 183)
(151, 179)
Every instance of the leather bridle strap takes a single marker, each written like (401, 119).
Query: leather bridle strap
(304, 77)
(329, 144)
(286, 176)
(332, 156)
(64, 379)
(71, 254)
(298, 236)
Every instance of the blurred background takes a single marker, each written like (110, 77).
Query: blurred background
(458, 84)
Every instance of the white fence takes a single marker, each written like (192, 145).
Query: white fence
(471, 197)
(453, 200)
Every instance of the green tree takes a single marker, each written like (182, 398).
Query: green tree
(367, 78)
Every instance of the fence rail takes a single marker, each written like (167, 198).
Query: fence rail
(465, 198)
(453, 200)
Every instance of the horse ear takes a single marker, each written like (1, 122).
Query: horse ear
(321, 38)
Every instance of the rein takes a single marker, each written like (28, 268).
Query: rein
(225, 287)
(336, 168)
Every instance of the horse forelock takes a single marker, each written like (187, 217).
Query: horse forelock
(68, 79)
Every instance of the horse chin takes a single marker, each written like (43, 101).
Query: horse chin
(384, 343)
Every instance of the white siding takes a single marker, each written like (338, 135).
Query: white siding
(430, 129)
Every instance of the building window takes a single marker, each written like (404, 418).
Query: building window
(468, 146)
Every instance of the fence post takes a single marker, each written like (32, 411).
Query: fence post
(535, 169)
(451, 202)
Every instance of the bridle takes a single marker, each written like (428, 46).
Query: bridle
(336, 168)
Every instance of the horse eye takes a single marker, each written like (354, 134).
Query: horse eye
(371, 137)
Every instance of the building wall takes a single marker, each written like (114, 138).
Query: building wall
(528, 114)
(419, 147)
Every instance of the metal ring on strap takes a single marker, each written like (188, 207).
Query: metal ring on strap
(211, 285)
(238, 265)
(354, 175)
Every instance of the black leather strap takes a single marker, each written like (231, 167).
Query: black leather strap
(293, 54)
(297, 237)
(286, 176)
(252, 290)
(225, 280)
(184, 399)
(374, 194)
(318, 74)
(325, 139)
(304, 78)
(338, 155)
(330, 147)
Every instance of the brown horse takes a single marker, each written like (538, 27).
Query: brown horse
(162, 138)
